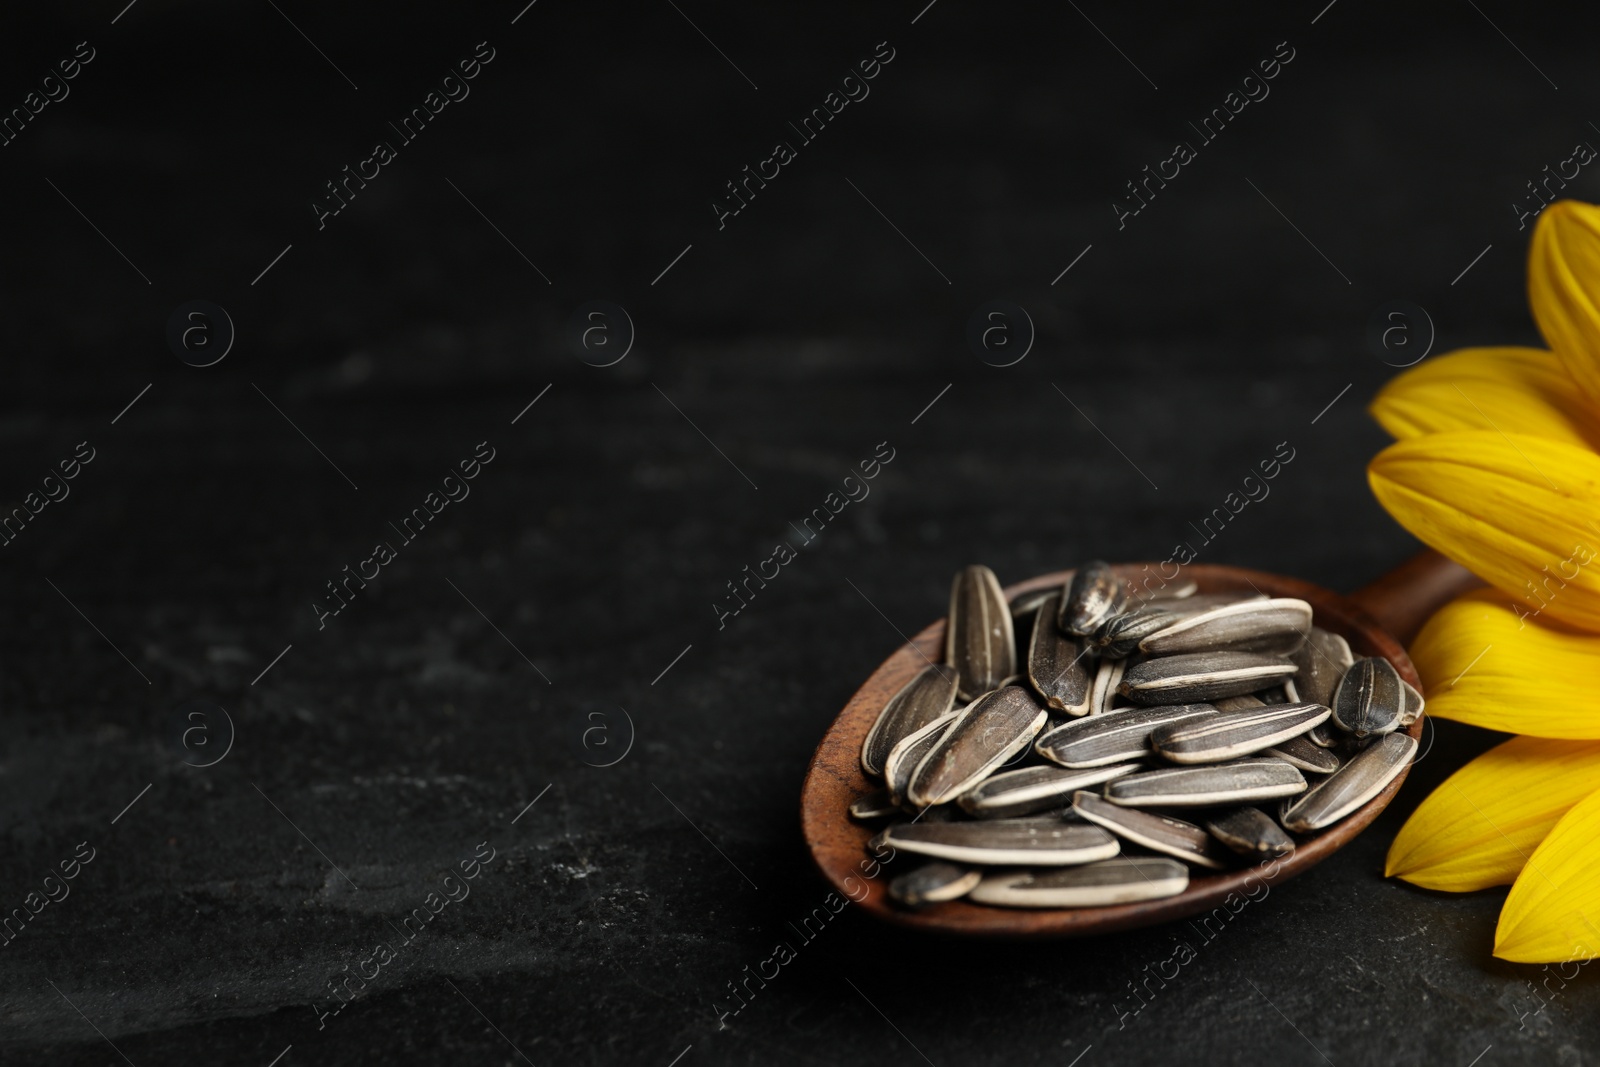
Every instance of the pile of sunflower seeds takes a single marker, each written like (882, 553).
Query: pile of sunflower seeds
(1080, 747)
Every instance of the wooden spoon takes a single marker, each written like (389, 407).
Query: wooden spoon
(1376, 621)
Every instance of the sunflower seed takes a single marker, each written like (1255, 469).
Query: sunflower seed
(1172, 592)
(1322, 660)
(905, 757)
(979, 642)
(942, 813)
(875, 805)
(1213, 785)
(1325, 735)
(1277, 627)
(1115, 881)
(1355, 745)
(1113, 738)
(928, 696)
(1107, 676)
(1251, 832)
(1025, 604)
(1304, 753)
(1093, 596)
(1036, 842)
(1225, 735)
(1352, 785)
(1197, 676)
(934, 882)
(1239, 703)
(984, 735)
(1413, 704)
(1291, 692)
(1034, 789)
(1120, 635)
(1057, 664)
(1024, 611)
(1160, 833)
(1369, 699)
(1201, 602)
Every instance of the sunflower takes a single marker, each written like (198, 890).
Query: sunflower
(1497, 466)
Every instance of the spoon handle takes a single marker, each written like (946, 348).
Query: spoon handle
(1402, 600)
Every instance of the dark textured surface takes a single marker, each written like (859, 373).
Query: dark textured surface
(798, 338)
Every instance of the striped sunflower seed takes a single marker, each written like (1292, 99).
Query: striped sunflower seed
(1119, 636)
(1177, 590)
(1123, 880)
(1369, 699)
(1225, 735)
(1058, 665)
(930, 695)
(943, 813)
(933, 883)
(983, 736)
(1107, 676)
(1093, 596)
(1024, 611)
(1025, 604)
(1114, 738)
(1197, 676)
(1035, 842)
(1352, 785)
(1326, 735)
(979, 642)
(1306, 754)
(1276, 627)
(1251, 832)
(1213, 785)
(1322, 660)
(1159, 833)
(1199, 602)
(877, 804)
(1034, 789)
(1275, 694)
(1413, 704)
(905, 757)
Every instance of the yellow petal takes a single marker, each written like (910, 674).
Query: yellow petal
(1521, 512)
(1490, 662)
(1479, 828)
(1518, 390)
(1552, 913)
(1564, 288)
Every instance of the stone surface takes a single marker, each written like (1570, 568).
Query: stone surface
(380, 749)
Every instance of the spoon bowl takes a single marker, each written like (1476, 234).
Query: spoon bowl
(835, 779)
